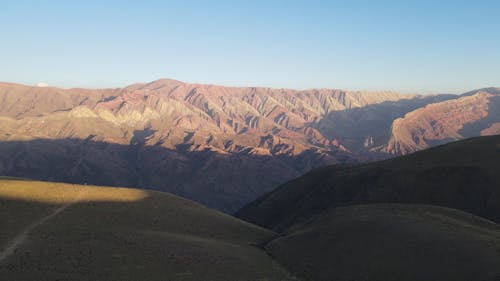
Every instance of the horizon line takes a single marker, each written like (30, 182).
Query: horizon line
(47, 85)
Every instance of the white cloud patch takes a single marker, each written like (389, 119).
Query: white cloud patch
(42, 84)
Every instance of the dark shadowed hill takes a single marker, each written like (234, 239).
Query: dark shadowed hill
(330, 232)
(391, 242)
(464, 175)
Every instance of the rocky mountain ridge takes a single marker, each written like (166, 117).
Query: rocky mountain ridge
(236, 143)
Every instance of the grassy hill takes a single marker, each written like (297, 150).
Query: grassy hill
(464, 175)
(392, 242)
(53, 231)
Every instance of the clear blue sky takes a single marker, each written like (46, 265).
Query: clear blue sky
(410, 46)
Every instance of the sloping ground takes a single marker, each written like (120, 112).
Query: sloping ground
(323, 238)
(392, 243)
(52, 231)
(368, 129)
(224, 181)
(464, 175)
(476, 113)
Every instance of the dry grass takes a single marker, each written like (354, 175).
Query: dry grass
(126, 234)
(60, 193)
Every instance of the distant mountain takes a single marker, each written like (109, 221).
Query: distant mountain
(221, 146)
(473, 114)
(463, 175)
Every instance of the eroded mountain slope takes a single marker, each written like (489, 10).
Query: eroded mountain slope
(221, 146)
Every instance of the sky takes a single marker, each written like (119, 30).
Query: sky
(407, 46)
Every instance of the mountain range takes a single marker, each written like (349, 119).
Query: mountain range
(221, 146)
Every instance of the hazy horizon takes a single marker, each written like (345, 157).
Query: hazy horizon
(413, 47)
(43, 84)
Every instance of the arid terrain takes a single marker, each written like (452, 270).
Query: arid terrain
(220, 146)
(249, 140)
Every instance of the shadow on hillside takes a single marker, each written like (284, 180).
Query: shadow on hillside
(151, 237)
(222, 181)
(115, 207)
(475, 128)
(367, 127)
(463, 175)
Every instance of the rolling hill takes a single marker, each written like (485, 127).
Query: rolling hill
(391, 242)
(406, 218)
(54, 231)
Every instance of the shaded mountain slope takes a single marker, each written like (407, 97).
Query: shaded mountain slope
(463, 175)
(70, 232)
(225, 181)
(365, 130)
(391, 242)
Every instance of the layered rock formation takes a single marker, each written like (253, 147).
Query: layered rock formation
(472, 114)
(221, 146)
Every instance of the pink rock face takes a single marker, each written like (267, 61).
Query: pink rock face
(222, 146)
(169, 107)
(494, 129)
(465, 116)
